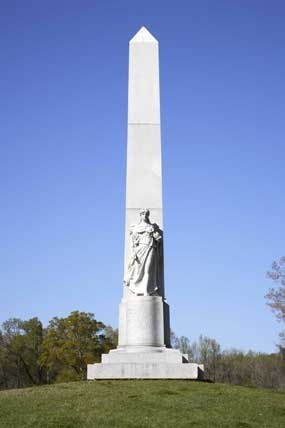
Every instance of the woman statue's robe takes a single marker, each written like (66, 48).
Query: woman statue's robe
(145, 266)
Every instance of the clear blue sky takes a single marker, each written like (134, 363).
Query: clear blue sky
(63, 135)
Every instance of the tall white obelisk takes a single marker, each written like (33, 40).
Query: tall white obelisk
(144, 349)
(144, 319)
(144, 181)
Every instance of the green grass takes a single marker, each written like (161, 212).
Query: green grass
(141, 404)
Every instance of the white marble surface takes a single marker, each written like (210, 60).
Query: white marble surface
(144, 183)
(142, 321)
(144, 331)
(147, 370)
(143, 355)
(144, 177)
(143, 100)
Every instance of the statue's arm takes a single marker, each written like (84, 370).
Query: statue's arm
(134, 236)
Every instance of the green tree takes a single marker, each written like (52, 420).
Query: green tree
(20, 347)
(111, 338)
(4, 364)
(71, 343)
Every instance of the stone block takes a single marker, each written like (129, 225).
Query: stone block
(146, 370)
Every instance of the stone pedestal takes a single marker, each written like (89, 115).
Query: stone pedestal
(163, 364)
(144, 321)
(144, 345)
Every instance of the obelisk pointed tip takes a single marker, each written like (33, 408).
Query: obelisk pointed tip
(143, 36)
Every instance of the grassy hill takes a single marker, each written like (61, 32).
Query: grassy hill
(141, 404)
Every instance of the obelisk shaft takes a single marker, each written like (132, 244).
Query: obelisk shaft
(144, 180)
(144, 314)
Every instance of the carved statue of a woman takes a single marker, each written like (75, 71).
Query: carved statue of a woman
(145, 269)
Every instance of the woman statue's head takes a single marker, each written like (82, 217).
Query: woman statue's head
(144, 214)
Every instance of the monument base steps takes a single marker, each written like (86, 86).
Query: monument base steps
(161, 363)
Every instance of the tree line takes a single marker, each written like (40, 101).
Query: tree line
(234, 366)
(33, 355)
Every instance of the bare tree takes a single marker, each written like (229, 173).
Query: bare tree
(276, 296)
